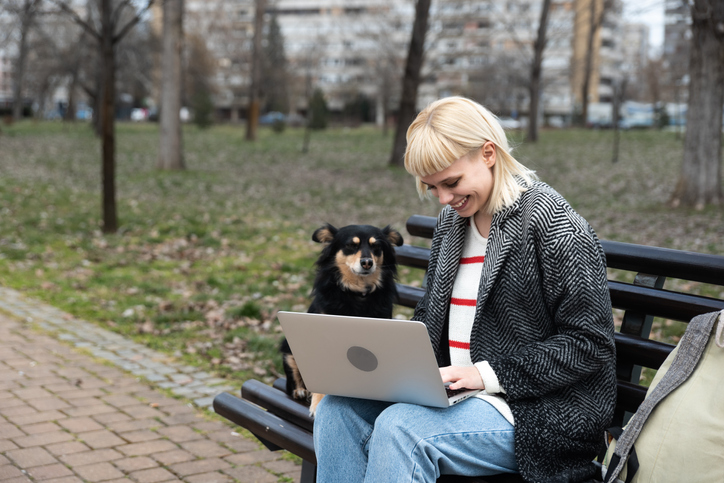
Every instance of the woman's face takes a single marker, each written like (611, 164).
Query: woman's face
(466, 184)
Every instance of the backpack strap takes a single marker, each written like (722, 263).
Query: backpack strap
(691, 347)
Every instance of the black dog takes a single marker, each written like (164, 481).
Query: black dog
(356, 274)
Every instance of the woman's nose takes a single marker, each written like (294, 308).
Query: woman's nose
(444, 196)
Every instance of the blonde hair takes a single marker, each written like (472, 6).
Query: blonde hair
(453, 127)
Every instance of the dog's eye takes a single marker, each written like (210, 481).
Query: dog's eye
(352, 246)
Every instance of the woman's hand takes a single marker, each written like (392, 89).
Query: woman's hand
(462, 377)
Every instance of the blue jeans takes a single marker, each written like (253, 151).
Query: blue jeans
(361, 440)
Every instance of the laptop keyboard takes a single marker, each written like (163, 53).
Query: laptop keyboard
(454, 392)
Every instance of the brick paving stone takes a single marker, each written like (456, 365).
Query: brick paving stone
(8, 430)
(89, 410)
(29, 457)
(71, 447)
(111, 417)
(98, 472)
(67, 479)
(179, 434)
(40, 428)
(199, 466)
(89, 457)
(49, 471)
(147, 448)
(135, 463)
(80, 424)
(101, 439)
(242, 445)
(251, 457)
(9, 471)
(6, 445)
(81, 402)
(48, 403)
(40, 417)
(210, 426)
(205, 448)
(132, 425)
(142, 411)
(210, 478)
(189, 418)
(18, 411)
(121, 400)
(174, 456)
(11, 402)
(32, 393)
(153, 475)
(21, 479)
(43, 439)
(251, 474)
(140, 436)
(281, 466)
(224, 436)
(77, 393)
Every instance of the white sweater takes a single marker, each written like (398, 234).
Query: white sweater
(462, 314)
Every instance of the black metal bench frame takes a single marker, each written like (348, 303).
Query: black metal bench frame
(283, 423)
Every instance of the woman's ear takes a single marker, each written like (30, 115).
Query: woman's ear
(488, 153)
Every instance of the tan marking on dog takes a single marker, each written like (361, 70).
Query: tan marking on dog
(395, 238)
(324, 235)
(373, 240)
(355, 240)
(301, 391)
(316, 398)
(358, 283)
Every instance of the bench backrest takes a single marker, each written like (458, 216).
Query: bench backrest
(641, 300)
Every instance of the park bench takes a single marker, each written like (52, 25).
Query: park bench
(283, 423)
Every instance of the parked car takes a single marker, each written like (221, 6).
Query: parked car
(271, 117)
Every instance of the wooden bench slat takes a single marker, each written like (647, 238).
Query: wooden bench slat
(278, 403)
(632, 349)
(697, 267)
(266, 425)
(661, 303)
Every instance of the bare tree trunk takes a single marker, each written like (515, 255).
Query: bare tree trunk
(411, 82)
(535, 72)
(169, 152)
(252, 116)
(107, 117)
(26, 15)
(701, 173)
(588, 68)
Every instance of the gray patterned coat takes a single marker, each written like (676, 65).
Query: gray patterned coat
(543, 322)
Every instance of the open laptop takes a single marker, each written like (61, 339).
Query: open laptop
(382, 359)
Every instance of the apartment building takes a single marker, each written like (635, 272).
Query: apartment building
(477, 48)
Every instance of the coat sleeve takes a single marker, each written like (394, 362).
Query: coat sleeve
(575, 304)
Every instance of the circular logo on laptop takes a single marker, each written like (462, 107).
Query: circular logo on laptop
(362, 359)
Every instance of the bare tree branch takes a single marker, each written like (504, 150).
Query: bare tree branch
(65, 8)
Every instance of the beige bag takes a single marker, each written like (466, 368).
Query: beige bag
(682, 439)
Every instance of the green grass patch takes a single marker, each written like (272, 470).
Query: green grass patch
(204, 258)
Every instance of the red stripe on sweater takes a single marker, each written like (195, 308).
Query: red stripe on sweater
(465, 302)
(465, 260)
(454, 344)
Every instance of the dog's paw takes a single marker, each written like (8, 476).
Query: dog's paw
(301, 393)
(313, 405)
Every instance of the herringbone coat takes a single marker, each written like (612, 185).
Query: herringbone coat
(543, 322)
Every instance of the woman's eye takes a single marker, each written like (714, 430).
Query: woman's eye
(453, 184)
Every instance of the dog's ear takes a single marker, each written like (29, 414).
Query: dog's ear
(325, 234)
(393, 236)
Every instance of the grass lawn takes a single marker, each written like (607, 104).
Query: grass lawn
(204, 258)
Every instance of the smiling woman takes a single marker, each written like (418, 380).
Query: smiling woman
(536, 337)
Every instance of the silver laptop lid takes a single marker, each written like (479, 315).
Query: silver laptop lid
(383, 359)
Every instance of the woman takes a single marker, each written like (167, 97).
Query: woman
(517, 304)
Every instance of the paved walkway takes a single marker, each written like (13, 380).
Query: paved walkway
(70, 417)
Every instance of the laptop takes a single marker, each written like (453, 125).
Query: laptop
(382, 359)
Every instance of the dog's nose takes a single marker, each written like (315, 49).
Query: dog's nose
(366, 263)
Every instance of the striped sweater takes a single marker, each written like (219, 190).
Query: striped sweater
(543, 321)
(462, 314)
